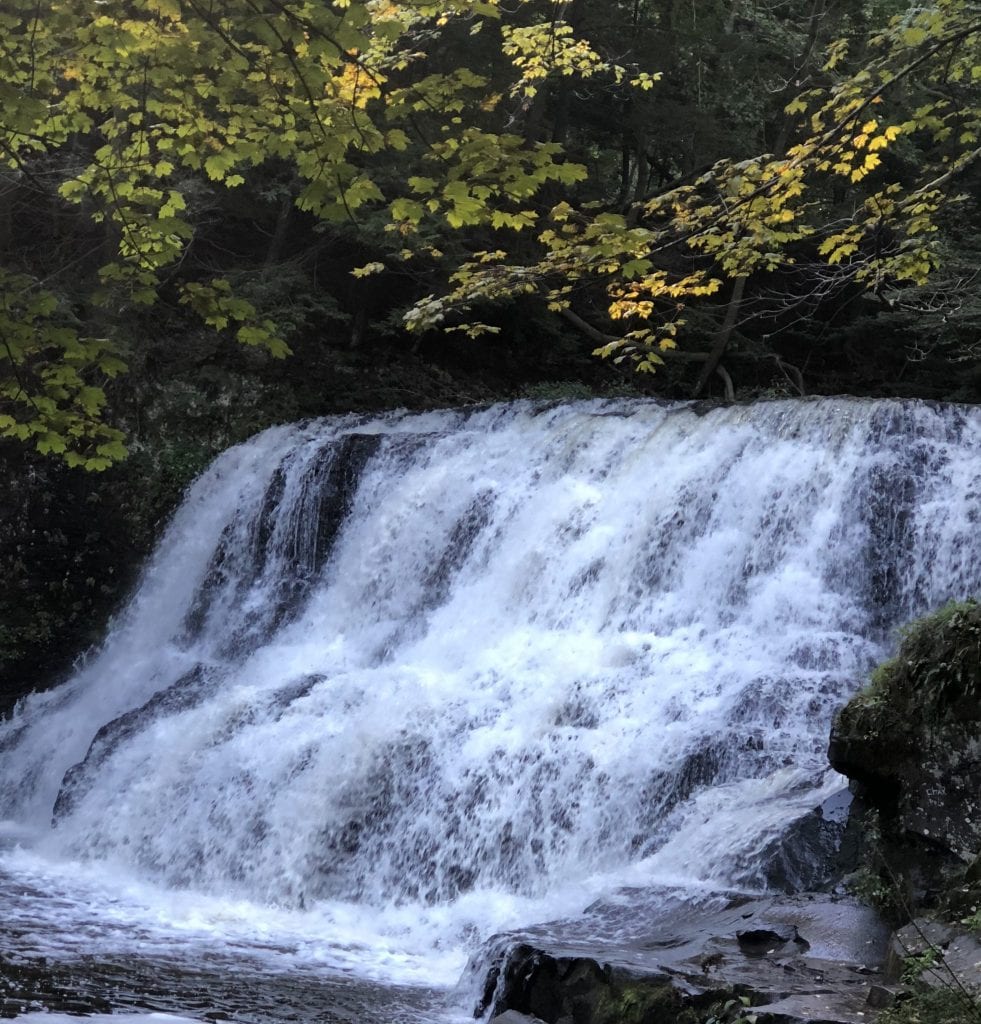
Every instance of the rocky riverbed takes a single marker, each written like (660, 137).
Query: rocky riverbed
(216, 988)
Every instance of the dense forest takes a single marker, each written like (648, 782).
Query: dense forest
(219, 216)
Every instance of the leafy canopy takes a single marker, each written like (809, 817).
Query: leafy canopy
(134, 115)
(129, 110)
(854, 200)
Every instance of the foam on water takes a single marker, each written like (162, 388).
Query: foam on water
(389, 685)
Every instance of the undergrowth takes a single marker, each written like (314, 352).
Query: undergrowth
(938, 666)
(935, 1006)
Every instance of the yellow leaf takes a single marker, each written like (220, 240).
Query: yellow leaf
(842, 251)
(368, 269)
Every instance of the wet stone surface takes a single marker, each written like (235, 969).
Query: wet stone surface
(217, 990)
(808, 958)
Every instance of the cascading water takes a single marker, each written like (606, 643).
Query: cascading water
(403, 681)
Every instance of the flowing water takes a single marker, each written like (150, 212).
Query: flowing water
(390, 685)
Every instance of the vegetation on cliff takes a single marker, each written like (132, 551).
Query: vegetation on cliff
(936, 674)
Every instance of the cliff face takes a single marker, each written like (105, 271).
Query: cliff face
(911, 744)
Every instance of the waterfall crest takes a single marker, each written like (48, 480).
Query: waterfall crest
(391, 661)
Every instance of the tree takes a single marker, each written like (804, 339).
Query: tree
(852, 198)
(128, 130)
(134, 114)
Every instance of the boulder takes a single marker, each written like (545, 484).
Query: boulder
(911, 744)
(513, 1017)
(815, 851)
(647, 956)
(935, 953)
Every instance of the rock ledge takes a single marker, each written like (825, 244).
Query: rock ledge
(648, 958)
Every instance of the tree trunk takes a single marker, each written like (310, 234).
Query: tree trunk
(723, 337)
(7, 193)
(278, 238)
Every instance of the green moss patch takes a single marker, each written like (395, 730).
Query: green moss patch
(937, 669)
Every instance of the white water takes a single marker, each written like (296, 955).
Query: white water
(407, 681)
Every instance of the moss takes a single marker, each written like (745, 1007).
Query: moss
(642, 1003)
(937, 670)
(937, 1006)
(558, 390)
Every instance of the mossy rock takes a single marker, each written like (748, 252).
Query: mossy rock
(938, 668)
(911, 744)
(933, 683)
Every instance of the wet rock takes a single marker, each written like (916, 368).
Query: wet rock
(765, 942)
(812, 1007)
(924, 781)
(645, 956)
(915, 939)
(513, 1017)
(186, 692)
(815, 851)
(938, 954)
(972, 873)
(911, 744)
(880, 997)
(290, 545)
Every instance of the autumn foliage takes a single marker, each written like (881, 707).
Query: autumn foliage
(133, 116)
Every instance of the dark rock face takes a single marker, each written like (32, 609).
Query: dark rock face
(187, 692)
(286, 550)
(925, 782)
(948, 954)
(648, 958)
(911, 744)
(815, 851)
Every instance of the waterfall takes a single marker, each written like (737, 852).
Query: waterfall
(391, 662)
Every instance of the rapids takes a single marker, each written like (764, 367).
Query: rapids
(388, 685)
